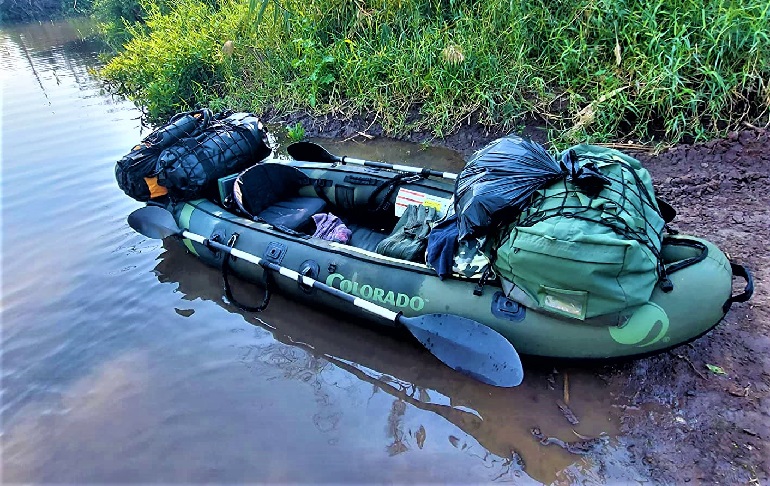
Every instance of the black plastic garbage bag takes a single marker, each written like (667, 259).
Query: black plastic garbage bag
(498, 182)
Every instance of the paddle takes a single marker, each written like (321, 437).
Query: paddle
(461, 343)
(312, 152)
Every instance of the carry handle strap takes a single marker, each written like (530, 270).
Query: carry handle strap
(269, 279)
(748, 291)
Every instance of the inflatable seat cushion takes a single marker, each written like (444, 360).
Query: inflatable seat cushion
(365, 238)
(294, 213)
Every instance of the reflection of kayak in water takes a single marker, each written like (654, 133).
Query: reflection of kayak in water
(701, 273)
(501, 420)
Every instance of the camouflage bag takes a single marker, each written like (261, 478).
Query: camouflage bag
(409, 238)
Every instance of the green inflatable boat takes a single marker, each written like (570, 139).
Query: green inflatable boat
(368, 201)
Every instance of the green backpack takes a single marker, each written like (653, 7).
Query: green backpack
(583, 257)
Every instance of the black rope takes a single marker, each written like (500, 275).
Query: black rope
(268, 282)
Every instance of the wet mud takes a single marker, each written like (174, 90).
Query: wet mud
(685, 422)
(700, 412)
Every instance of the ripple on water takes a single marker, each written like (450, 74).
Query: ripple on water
(121, 360)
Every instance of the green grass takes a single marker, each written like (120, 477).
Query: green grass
(295, 133)
(589, 69)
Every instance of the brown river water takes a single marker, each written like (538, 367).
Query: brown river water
(121, 361)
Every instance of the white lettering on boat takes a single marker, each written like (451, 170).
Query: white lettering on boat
(375, 294)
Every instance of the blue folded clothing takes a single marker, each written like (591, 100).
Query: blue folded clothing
(442, 243)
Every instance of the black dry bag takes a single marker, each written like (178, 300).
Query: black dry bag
(190, 168)
(137, 171)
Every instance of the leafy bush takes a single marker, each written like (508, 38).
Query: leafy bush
(114, 17)
(296, 132)
(176, 62)
(588, 68)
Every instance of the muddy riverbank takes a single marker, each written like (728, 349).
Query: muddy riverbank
(684, 421)
(681, 422)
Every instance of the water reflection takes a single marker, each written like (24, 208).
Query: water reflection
(108, 376)
(501, 420)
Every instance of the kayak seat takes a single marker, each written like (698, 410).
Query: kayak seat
(270, 192)
(295, 213)
(365, 238)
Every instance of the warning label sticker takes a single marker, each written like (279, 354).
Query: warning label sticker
(406, 197)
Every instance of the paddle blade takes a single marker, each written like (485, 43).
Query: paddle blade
(468, 347)
(153, 222)
(310, 152)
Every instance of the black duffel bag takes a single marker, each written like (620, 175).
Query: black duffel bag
(137, 172)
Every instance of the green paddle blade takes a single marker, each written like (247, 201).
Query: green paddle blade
(153, 222)
(468, 347)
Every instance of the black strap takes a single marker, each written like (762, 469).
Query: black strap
(391, 186)
(748, 291)
(486, 277)
(318, 185)
(268, 282)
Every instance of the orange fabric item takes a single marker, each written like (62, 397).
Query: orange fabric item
(156, 190)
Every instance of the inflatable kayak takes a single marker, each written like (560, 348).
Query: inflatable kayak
(279, 228)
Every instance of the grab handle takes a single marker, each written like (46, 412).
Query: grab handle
(748, 291)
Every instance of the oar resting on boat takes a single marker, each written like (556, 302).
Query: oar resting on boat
(312, 152)
(461, 343)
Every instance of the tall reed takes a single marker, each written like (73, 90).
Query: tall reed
(588, 69)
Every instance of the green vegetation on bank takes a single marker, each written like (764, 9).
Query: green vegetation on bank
(115, 17)
(594, 69)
